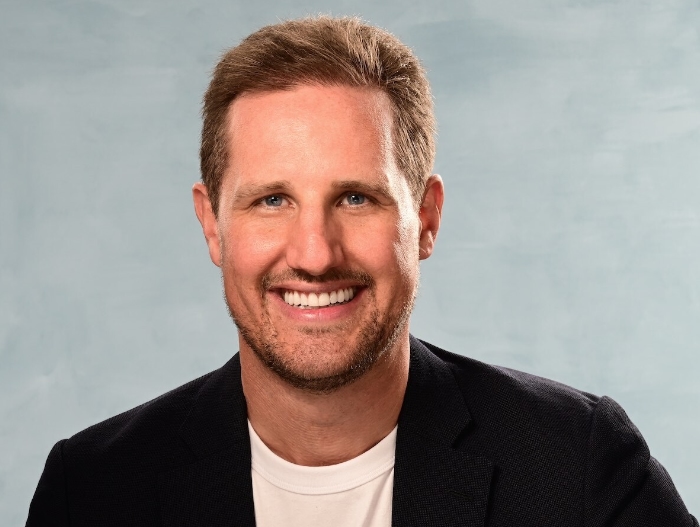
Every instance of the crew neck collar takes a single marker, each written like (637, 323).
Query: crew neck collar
(322, 480)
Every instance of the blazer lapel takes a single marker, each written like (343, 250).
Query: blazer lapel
(434, 482)
(216, 488)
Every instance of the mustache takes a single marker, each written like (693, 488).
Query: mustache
(270, 280)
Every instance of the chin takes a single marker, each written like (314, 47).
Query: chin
(319, 356)
(324, 360)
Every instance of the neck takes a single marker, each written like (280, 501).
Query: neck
(325, 429)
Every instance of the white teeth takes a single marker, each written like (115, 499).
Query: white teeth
(313, 300)
(295, 298)
(324, 299)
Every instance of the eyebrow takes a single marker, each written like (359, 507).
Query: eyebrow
(251, 190)
(365, 188)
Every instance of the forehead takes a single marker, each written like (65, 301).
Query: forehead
(313, 98)
(311, 128)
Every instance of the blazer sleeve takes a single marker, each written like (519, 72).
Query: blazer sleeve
(625, 486)
(49, 506)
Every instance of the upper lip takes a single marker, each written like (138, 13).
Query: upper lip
(323, 287)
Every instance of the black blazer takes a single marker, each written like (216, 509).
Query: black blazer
(477, 445)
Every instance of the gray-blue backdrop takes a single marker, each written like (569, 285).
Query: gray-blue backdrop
(569, 143)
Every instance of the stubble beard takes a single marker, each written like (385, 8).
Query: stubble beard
(377, 335)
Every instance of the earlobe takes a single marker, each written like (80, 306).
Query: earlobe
(207, 218)
(430, 214)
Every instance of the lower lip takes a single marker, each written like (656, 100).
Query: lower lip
(329, 313)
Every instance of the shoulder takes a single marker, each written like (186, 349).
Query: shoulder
(567, 450)
(109, 473)
(140, 437)
(534, 429)
(517, 413)
(535, 407)
(498, 388)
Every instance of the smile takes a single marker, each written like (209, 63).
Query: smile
(340, 296)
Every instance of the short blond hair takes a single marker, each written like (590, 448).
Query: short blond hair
(327, 51)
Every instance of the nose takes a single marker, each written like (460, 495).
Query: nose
(314, 242)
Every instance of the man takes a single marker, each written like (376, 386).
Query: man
(317, 202)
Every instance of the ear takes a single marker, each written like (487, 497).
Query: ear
(205, 214)
(430, 213)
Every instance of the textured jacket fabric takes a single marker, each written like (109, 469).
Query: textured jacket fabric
(477, 445)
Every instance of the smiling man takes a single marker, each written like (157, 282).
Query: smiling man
(317, 235)
(317, 202)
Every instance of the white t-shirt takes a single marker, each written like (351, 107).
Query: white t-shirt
(355, 493)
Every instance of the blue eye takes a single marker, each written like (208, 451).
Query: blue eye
(273, 201)
(355, 199)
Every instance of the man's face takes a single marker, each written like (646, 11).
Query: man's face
(317, 235)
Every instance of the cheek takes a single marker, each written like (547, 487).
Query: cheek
(406, 248)
(248, 253)
(388, 250)
(406, 243)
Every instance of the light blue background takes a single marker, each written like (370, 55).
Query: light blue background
(569, 143)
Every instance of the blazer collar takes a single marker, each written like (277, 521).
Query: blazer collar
(215, 489)
(434, 482)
